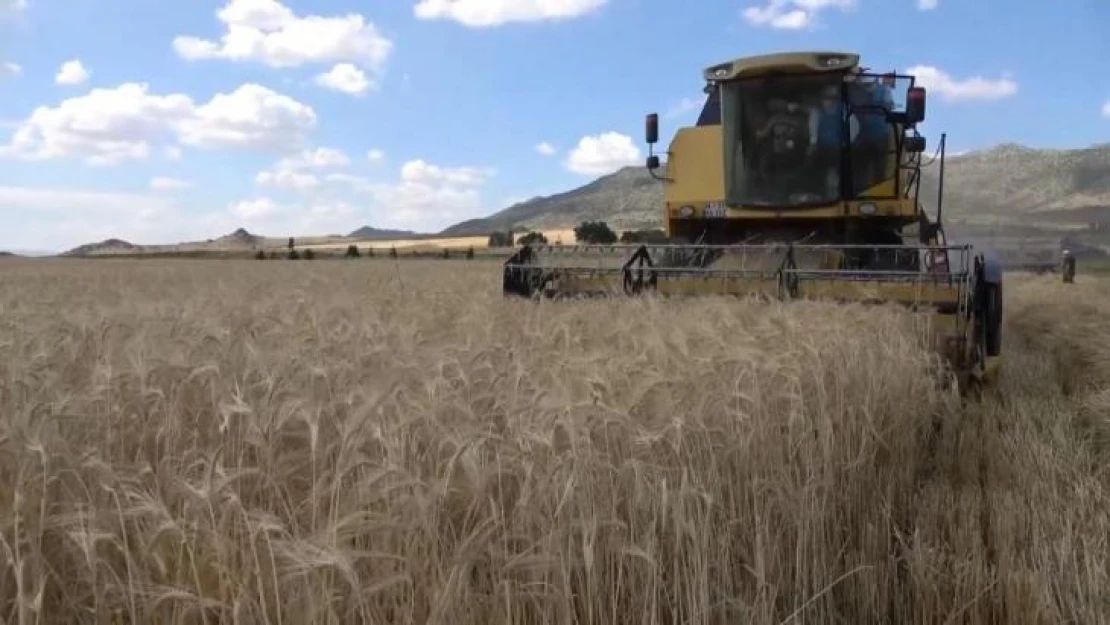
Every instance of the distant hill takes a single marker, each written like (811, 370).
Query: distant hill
(107, 246)
(1025, 184)
(628, 198)
(240, 238)
(368, 232)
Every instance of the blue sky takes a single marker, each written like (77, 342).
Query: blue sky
(160, 121)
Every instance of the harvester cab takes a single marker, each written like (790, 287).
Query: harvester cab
(800, 178)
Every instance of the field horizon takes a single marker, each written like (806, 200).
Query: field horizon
(196, 442)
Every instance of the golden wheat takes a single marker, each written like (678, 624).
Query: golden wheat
(365, 441)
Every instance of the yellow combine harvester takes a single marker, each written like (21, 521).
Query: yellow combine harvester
(800, 179)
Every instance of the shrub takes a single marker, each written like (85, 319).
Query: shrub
(597, 232)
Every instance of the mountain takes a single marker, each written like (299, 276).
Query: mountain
(628, 198)
(368, 232)
(239, 238)
(1026, 185)
(107, 246)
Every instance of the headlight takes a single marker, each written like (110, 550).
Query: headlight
(867, 209)
(686, 212)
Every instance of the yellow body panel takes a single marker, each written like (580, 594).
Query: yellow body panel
(698, 176)
(782, 62)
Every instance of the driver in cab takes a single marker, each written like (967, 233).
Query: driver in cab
(826, 121)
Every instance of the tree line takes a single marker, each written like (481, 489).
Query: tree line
(587, 232)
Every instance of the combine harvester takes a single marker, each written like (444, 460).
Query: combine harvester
(800, 179)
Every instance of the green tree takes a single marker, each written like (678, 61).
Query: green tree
(644, 236)
(260, 255)
(596, 232)
(533, 238)
(293, 255)
(309, 254)
(352, 251)
(500, 239)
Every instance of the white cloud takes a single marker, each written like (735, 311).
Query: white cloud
(163, 183)
(12, 5)
(72, 72)
(172, 153)
(255, 209)
(926, 5)
(375, 155)
(545, 148)
(252, 115)
(8, 68)
(684, 106)
(289, 173)
(952, 90)
(268, 32)
(428, 196)
(54, 200)
(1106, 109)
(485, 13)
(346, 78)
(422, 172)
(107, 126)
(318, 158)
(357, 183)
(62, 218)
(793, 14)
(287, 179)
(602, 154)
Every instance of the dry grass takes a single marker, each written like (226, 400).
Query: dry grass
(198, 442)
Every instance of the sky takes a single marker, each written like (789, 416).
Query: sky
(160, 121)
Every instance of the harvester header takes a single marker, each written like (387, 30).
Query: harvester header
(800, 178)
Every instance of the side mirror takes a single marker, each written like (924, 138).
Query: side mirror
(653, 162)
(914, 145)
(915, 105)
(652, 128)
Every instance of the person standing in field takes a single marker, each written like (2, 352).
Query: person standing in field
(1068, 266)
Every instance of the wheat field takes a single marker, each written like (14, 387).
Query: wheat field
(377, 442)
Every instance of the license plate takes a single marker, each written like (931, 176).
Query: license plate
(715, 209)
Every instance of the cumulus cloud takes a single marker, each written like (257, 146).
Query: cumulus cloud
(602, 154)
(545, 148)
(254, 209)
(344, 77)
(163, 183)
(110, 125)
(12, 5)
(486, 13)
(427, 196)
(1106, 109)
(951, 89)
(268, 32)
(71, 72)
(290, 172)
(792, 14)
(926, 5)
(8, 68)
(375, 155)
(62, 218)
